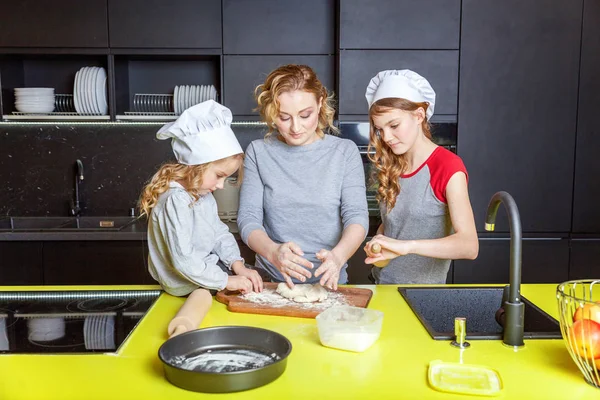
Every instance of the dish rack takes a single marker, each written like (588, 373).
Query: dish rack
(579, 311)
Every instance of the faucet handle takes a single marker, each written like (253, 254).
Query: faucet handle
(460, 331)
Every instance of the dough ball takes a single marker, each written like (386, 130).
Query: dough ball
(303, 293)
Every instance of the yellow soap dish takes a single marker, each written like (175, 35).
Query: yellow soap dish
(464, 378)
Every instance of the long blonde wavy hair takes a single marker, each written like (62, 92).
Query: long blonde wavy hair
(288, 78)
(389, 166)
(189, 176)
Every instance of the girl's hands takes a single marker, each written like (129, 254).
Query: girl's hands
(240, 269)
(382, 248)
(330, 268)
(287, 258)
(240, 283)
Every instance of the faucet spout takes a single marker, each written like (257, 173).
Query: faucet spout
(79, 165)
(513, 306)
(75, 207)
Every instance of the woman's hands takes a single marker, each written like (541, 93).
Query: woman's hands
(287, 258)
(240, 269)
(387, 249)
(330, 268)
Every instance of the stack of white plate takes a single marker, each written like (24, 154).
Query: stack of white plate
(186, 96)
(99, 332)
(34, 100)
(89, 91)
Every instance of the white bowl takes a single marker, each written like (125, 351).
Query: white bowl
(34, 89)
(46, 329)
(349, 328)
(28, 108)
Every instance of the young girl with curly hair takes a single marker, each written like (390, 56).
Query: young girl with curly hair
(189, 246)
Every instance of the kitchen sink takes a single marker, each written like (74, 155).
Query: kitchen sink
(436, 308)
(49, 224)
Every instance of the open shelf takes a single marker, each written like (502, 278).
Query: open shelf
(51, 71)
(155, 77)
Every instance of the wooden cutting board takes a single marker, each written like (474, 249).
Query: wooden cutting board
(356, 297)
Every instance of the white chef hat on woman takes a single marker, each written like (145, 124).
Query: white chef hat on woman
(402, 84)
(202, 134)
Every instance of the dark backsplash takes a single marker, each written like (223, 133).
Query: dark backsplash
(37, 165)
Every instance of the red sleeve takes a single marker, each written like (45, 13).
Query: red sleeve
(442, 167)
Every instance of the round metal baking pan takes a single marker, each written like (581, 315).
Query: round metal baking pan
(224, 359)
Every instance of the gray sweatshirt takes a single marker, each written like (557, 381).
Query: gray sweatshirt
(304, 194)
(186, 242)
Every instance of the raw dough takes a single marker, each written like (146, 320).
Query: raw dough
(304, 293)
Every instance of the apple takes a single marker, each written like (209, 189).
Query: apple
(585, 337)
(589, 311)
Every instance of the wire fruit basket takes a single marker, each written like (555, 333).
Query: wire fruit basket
(579, 311)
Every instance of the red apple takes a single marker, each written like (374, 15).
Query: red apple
(585, 338)
(589, 311)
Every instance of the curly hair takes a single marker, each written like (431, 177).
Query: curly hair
(190, 176)
(389, 166)
(288, 78)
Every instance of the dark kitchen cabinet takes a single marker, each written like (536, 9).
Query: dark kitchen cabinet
(586, 213)
(279, 27)
(519, 66)
(544, 260)
(96, 263)
(241, 74)
(165, 24)
(585, 259)
(21, 263)
(399, 24)
(53, 23)
(357, 67)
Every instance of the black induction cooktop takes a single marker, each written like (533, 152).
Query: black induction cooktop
(70, 321)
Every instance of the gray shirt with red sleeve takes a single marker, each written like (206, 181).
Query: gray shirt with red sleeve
(421, 212)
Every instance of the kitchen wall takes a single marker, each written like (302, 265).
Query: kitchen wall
(37, 165)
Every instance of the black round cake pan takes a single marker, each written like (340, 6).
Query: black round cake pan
(224, 359)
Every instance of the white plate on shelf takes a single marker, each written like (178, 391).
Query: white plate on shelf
(197, 90)
(101, 106)
(92, 90)
(175, 106)
(90, 87)
(82, 91)
(85, 91)
(188, 97)
(76, 92)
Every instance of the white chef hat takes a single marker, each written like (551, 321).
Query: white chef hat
(403, 84)
(202, 134)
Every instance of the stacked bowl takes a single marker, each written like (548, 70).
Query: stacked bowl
(34, 100)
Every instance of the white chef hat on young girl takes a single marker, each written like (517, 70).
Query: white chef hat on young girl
(202, 134)
(402, 84)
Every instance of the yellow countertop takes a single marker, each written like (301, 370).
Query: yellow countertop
(395, 367)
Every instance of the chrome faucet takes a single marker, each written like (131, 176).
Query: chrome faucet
(75, 207)
(514, 309)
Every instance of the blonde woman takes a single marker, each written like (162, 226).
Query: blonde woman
(189, 246)
(303, 206)
(423, 195)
